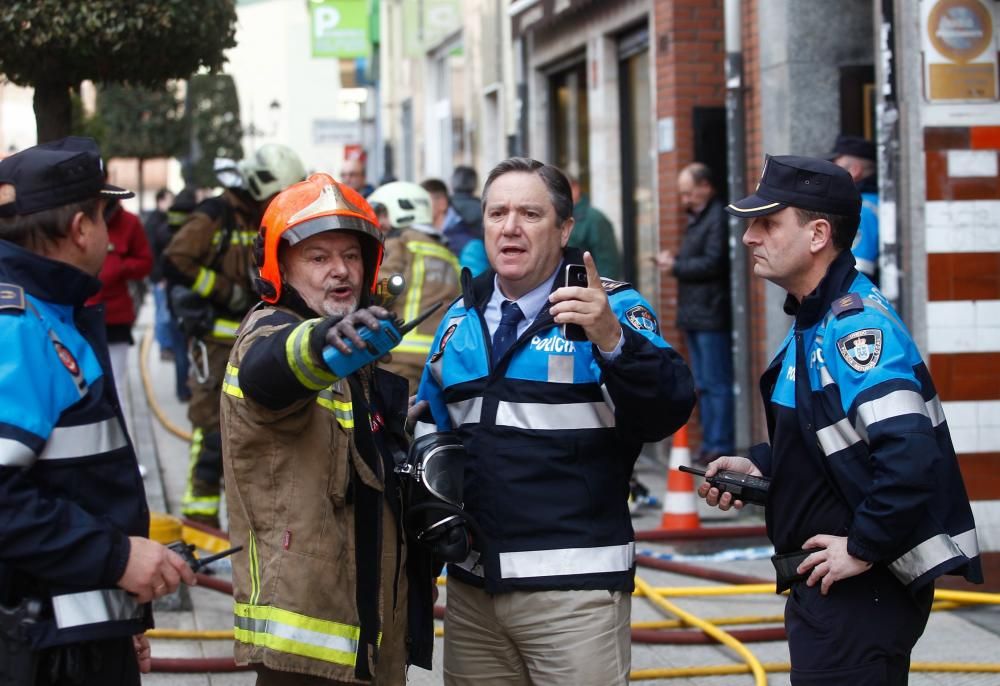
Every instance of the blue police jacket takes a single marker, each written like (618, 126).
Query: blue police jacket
(70, 489)
(865, 247)
(874, 425)
(552, 433)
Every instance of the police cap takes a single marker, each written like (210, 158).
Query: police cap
(807, 183)
(855, 146)
(55, 174)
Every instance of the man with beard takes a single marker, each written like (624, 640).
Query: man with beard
(328, 589)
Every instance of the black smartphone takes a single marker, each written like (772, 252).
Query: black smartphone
(576, 275)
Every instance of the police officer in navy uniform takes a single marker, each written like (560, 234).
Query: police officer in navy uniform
(77, 572)
(552, 428)
(867, 505)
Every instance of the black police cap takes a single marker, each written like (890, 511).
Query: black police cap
(804, 182)
(55, 174)
(855, 146)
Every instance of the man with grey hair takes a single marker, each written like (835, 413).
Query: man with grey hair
(552, 423)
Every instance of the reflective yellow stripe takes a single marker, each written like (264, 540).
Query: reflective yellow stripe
(205, 282)
(434, 250)
(297, 634)
(412, 307)
(225, 328)
(231, 382)
(190, 503)
(299, 361)
(342, 410)
(254, 570)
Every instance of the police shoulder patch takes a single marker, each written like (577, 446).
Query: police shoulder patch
(861, 349)
(11, 298)
(642, 319)
(444, 341)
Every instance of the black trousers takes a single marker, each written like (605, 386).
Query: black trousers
(861, 633)
(97, 663)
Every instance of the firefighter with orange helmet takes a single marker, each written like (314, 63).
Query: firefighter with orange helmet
(210, 261)
(328, 584)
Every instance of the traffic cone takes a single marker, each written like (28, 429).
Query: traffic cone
(680, 505)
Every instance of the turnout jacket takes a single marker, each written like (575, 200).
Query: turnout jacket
(70, 489)
(313, 505)
(552, 433)
(212, 253)
(849, 378)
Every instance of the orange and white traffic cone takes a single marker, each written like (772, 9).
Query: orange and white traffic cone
(680, 504)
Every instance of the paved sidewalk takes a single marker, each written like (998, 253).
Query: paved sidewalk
(972, 635)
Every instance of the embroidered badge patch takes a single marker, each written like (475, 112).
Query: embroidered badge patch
(642, 319)
(861, 349)
(444, 342)
(66, 357)
(610, 285)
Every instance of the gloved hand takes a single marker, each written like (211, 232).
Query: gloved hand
(334, 330)
(239, 299)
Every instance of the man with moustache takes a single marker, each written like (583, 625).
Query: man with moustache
(552, 428)
(327, 588)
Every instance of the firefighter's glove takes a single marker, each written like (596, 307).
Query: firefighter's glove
(335, 330)
(239, 299)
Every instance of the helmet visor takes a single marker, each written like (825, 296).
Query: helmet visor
(443, 473)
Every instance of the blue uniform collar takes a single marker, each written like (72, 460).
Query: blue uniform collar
(49, 280)
(839, 277)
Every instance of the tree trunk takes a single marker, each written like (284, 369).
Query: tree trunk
(138, 192)
(53, 110)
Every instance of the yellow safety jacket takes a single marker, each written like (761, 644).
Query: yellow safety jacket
(432, 275)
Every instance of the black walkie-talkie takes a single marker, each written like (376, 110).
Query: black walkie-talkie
(745, 487)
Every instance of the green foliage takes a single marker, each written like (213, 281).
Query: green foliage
(213, 112)
(133, 121)
(139, 41)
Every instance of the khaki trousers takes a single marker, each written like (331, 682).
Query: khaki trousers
(548, 638)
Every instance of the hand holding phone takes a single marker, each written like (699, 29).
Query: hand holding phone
(575, 275)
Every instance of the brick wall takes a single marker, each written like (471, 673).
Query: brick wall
(963, 292)
(690, 72)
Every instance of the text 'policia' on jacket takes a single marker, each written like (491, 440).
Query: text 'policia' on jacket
(882, 441)
(70, 490)
(552, 433)
(324, 563)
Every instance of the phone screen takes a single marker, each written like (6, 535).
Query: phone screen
(576, 275)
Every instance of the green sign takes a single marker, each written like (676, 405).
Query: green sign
(339, 28)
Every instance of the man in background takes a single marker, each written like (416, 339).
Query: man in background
(857, 156)
(593, 232)
(355, 175)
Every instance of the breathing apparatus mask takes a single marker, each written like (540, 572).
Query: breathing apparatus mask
(432, 478)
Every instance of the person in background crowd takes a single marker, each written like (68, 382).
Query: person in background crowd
(414, 249)
(552, 428)
(463, 239)
(128, 262)
(210, 259)
(593, 232)
(857, 156)
(75, 562)
(329, 586)
(866, 505)
(158, 234)
(355, 175)
(703, 306)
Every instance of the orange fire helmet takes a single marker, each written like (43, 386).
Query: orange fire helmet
(309, 207)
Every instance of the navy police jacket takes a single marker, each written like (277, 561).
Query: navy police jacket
(70, 489)
(552, 433)
(871, 419)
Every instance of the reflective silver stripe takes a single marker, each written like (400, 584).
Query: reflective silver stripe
(421, 429)
(932, 552)
(534, 563)
(15, 454)
(94, 607)
(465, 412)
(543, 416)
(895, 404)
(824, 376)
(865, 266)
(87, 439)
(836, 437)
(272, 627)
(607, 397)
(935, 411)
(561, 368)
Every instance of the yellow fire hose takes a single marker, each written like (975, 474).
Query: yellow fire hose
(944, 599)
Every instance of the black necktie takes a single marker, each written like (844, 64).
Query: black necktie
(506, 333)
